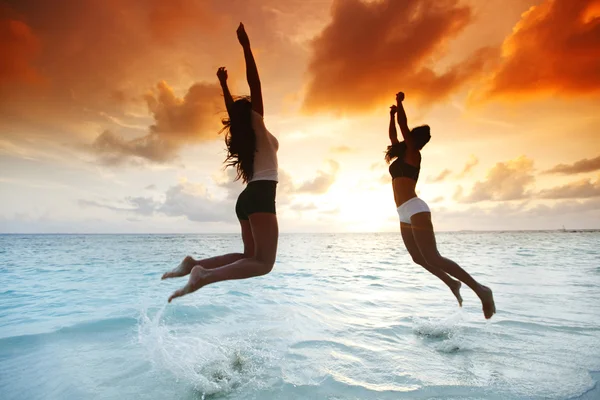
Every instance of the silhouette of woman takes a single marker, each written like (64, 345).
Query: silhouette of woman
(252, 150)
(415, 217)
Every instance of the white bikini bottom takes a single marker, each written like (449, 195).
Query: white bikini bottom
(410, 208)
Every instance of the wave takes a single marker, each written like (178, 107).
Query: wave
(82, 328)
(593, 392)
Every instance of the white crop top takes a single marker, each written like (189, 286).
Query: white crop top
(265, 158)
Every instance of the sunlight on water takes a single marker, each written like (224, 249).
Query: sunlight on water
(342, 316)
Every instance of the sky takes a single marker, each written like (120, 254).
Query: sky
(110, 112)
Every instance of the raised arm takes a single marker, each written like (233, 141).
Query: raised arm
(393, 132)
(251, 71)
(403, 122)
(222, 75)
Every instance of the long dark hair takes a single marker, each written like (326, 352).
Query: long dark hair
(395, 150)
(240, 139)
(422, 135)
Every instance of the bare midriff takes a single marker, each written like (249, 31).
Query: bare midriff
(404, 189)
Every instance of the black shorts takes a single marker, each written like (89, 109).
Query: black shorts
(259, 196)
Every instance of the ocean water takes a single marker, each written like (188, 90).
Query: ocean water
(342, 316)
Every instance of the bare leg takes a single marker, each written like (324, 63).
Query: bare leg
(265, 232)
(185, 267)
(422, 228)
(413, 250)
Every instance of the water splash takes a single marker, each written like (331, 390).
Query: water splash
(449, 330)
(199, 359)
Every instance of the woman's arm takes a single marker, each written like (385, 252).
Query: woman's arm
(251, 71)
(403, 122)
(393, 132)
(222, 75)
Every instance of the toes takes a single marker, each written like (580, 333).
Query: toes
(177, 293)
(167, 275)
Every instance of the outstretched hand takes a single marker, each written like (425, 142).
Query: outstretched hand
(399, 97)
(393, 110)
(242, 36)
(222, 74)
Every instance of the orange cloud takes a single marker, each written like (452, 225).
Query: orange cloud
(555, 48)
(439, 178)
(505, 181)
(471, 163)
(370, 50)
(177, 121)
(341, 149)
(167, 18)
(93, 54)
(322, 182)
(191, 118)
(19, 47)
(585, 188)
(580, 166)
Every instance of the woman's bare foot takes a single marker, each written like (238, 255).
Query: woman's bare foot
(196, 281)
(182, 269)
(456, 292)
(487, 301)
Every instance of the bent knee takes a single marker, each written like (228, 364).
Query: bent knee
(266, 266)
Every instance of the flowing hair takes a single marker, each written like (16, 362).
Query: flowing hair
(240, 139)
(421, 135)
(395, 150)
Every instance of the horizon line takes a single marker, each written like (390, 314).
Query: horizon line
(306, 233)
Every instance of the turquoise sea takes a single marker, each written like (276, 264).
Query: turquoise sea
(342, 316)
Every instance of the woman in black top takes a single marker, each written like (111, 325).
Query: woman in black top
(415, 216)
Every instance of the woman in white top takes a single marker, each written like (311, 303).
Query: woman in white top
(252, 150)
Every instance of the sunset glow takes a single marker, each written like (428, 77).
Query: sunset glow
(110, 112)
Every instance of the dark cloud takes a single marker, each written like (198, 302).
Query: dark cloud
(524, 214)
(143, 205)
(196, 204)
(370, 50)
(505, 181)
(578, 167)
(555, 48)
(185, 199)
(114, 150)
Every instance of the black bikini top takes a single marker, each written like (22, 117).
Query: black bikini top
(400, 168)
